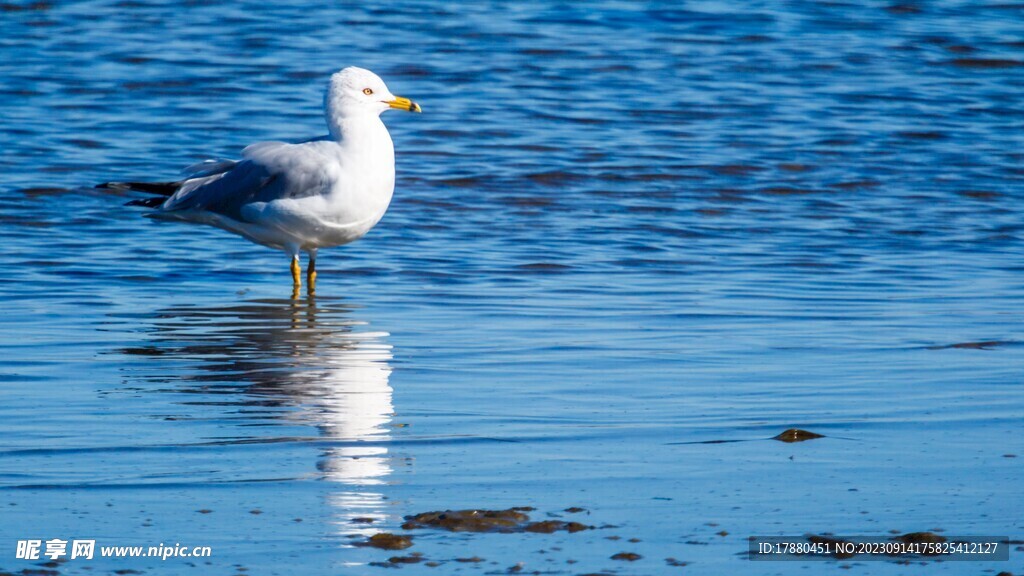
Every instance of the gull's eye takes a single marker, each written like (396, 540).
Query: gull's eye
(367, 91)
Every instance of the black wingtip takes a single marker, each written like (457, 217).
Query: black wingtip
(161, 188)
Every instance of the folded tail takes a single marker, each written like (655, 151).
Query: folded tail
(201, 172)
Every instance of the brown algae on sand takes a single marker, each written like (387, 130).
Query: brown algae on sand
(920, 538)
(388, 541)
(511, 520)
(413, 558)
(797, 435)
(980, 345)
(909, 538)
(552, 526)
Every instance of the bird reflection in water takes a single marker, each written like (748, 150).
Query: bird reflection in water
(314, 360)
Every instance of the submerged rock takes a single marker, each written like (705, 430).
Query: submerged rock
(920, 538)
(796, 435)
(550, 526)
(410, 559)
(502, 521)
(980, 345)
(510, 520)
(388, 541)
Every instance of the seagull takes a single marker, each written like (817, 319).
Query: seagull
(321, 193)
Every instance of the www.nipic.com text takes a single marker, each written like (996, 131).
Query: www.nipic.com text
(57, 548)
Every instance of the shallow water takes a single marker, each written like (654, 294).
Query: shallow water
(621, 234)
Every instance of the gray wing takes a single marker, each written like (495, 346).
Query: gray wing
(270, 171)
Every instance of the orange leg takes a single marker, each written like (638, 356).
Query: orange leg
(296, 277)
(311, 275)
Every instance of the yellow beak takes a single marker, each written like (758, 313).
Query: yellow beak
(400, 103)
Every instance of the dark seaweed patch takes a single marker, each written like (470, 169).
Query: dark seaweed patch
(984, 63)
(981, 345)
(387, 541)
(796, 435)
(507, 521)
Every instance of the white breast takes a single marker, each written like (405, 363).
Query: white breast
(360, 181)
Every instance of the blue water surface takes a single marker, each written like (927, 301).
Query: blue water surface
(622, 233)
